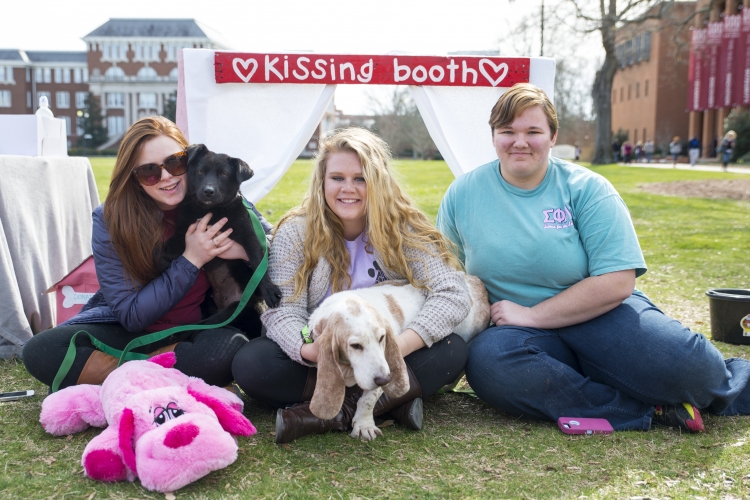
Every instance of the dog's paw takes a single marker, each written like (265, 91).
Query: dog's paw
(366, 431)
(271, 294)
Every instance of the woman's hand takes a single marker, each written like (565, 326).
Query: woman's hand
(309, 352)
(409, 341)
(234, 252)
(204, 242)
(505, 312)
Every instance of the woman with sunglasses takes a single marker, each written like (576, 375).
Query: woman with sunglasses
(135, 299)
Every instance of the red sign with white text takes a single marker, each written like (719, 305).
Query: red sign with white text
(457, 71)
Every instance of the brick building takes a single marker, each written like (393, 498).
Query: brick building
(649, 90)
(129, 64)
(61, 76)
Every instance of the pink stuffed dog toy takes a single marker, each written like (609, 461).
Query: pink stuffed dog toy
(165, 428)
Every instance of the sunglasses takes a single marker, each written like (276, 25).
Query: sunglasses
(150, 173)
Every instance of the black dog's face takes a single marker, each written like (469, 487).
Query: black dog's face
(214, 179)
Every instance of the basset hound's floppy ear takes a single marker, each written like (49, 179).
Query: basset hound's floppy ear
(195, 151)
(244, 172)
(399, 384)
(330, 385)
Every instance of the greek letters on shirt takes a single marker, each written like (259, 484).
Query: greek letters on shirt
(557, 218)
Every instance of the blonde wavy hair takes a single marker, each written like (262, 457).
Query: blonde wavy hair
(393, 222)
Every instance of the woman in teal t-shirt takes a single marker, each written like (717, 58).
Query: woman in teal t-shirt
(555, 246)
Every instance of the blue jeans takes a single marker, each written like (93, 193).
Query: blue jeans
(617, 367)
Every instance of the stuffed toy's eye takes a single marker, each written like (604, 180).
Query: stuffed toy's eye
(160, 418)
(175, 412)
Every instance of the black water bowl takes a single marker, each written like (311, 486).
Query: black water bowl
(730, 315)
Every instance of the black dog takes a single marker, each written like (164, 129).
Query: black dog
(213, 182)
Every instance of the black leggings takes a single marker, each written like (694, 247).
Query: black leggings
(266, 373)
(206, 354)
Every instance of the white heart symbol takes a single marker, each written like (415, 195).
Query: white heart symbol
(244, 64)
(496, 68)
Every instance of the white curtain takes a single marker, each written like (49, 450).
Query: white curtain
(268, 125)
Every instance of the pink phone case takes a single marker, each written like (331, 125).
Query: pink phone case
(573, 425)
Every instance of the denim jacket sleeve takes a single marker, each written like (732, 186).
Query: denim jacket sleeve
(134, 305)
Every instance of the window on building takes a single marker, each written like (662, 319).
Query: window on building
(28, 98)
(622, 93)
(77, 75)
(66, 119)
(646, 51)
(66, 75)
(4, 98)
(2, 73)
(637, 90)
(48, 95)
(28, 75)
(645, 137)
(645, 89)
(630, 87)
(86, 75)
(123, 52)
(62, 99)
(47, 75)
(635, 135)
(114, 74)
(147, 73)
(115, 100)
(81, 99)
(58, 75)
(115, 125)
(147, 101)
(39, 75)
(173, 75)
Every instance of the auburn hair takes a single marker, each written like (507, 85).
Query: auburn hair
(133, 219)
(392, 224)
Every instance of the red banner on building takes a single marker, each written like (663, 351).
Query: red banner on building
(743, 62)
(464, 71)
(711, 63)
(695, 70)
(725, 97)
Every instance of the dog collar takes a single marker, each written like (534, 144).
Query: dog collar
(306, 336)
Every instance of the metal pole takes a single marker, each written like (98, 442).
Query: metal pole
(541, 51)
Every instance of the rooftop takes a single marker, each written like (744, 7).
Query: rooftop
(11, 55)
(55, 56)
(163, 28)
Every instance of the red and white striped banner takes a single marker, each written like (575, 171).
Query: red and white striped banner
(454, 71)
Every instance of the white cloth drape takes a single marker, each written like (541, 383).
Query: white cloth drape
(268, 125)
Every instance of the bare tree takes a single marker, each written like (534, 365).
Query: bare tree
(605, 17)
(398, 122)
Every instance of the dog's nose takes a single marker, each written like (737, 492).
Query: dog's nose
(182, 435)
(209, 191)
(381, 381)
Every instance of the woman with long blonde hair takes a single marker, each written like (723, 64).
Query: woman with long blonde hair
(355, 228)
(136, 298)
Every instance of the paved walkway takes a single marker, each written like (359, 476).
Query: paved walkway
(706, 167)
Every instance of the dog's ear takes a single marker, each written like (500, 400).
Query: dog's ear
(399, 384)
(125, 439)
(244, 172)
(195, 151)
(330, 386)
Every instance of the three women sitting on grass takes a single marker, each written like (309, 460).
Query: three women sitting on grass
(552, 241)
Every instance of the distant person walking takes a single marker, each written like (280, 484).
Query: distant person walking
(627, 150)
(726, 147)
(638, 151)
(694, 150)
(675, 149)
(577, 152)
(648, 149)
(616, 151)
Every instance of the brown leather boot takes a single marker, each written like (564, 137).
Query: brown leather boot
(298, 421)
(407, 409)
(96, 369)
(162, 350)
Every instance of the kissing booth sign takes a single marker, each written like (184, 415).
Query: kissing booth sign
(264, 107)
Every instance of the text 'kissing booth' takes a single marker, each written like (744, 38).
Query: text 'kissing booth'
(264, 108)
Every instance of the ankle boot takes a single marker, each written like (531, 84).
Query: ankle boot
(298, 421)
(407, 409)
(97, 367)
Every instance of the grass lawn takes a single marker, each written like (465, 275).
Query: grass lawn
(467, 449)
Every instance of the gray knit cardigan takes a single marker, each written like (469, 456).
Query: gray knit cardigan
(447, 301)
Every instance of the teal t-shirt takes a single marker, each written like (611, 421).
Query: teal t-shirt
(529, 245)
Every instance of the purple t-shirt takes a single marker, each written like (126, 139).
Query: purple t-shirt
(363, 269)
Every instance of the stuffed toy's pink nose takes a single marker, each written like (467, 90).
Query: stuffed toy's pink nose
(182, 435)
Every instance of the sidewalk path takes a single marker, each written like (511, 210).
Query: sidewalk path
(706, 167)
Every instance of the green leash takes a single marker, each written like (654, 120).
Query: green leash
(127, 355)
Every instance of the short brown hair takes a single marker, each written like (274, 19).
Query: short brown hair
(518, 99)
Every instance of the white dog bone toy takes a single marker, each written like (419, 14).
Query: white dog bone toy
(72, 297)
